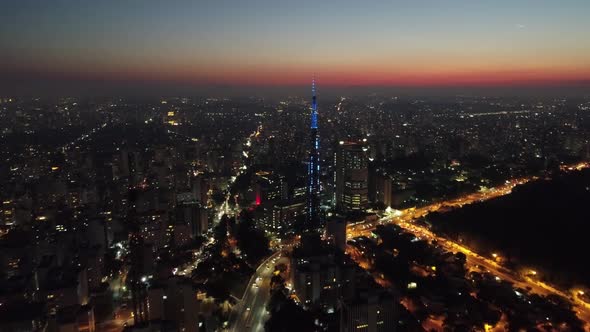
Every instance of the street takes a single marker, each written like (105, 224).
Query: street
(250, 313)
(405, 218)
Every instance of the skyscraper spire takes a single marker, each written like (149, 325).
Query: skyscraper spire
(313, 188)
(314, 106)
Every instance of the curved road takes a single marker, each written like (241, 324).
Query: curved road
(250, 313)
(405, 219)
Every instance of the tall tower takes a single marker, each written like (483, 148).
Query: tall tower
(352, 177)
(313, 186)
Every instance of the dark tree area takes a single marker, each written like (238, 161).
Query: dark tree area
(220, 230)
(251, 240)
(541, 224)
(218, 197)
(378, 206)
(111, 264)
(221, 273)
(195, 244)
(103, 303)
(299, 224)
(286, 316)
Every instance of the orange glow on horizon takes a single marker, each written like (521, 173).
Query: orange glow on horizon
(360, 75)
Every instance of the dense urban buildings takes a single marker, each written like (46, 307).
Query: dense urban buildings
(133, 219)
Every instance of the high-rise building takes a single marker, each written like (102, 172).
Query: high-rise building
(174, 300)
(7, 213)
(351, 177)
(269, 187)
(313, 187)
(284, 214)
(191, 213)
(336, 231)
(383, 191)
(369, 310)
(316, 273)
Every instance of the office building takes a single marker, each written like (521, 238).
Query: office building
(351, 177)
(370, 310)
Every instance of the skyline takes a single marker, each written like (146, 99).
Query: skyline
(110, 46)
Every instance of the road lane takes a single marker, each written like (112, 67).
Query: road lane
(405, 219)
(250, 314)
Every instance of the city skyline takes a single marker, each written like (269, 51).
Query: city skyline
(235, 46)
(278, 166)
(180, 213)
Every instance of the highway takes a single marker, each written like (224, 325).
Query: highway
(475, 262)
(250, 313)
(82, 137)
(478, 263)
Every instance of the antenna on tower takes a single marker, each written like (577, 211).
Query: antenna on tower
(314, 105)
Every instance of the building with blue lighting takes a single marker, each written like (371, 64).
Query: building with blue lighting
(313, 186)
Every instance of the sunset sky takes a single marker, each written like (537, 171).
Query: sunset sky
(267, 43)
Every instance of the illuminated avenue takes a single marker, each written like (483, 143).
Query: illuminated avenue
(251, 312)
(405, 219)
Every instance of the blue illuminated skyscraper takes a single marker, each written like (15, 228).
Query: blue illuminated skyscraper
(313, 187)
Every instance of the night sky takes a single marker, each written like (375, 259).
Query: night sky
(99, 46)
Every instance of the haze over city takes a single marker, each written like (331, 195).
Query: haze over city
(413, 46)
